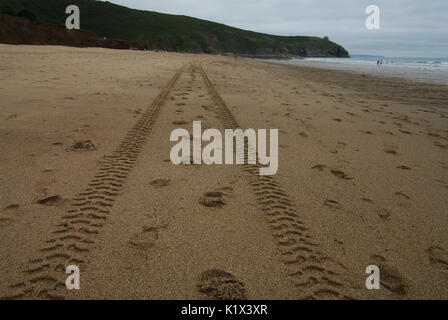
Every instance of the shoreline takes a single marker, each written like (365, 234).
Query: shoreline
(375, 84)
(387, 71)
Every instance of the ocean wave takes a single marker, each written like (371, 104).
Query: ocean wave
(418, 69)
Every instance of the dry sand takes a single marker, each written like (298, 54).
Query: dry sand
(86, 179)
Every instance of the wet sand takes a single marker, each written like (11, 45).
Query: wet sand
(86, 180)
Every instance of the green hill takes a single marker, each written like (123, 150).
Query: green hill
(152, 30)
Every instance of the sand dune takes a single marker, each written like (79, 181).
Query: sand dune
(87, 180)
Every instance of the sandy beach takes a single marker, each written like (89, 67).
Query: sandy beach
(86, 179)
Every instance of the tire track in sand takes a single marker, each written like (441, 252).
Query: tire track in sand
(70, 242)
(315, 275)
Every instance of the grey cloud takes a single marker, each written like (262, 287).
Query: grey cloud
(408, 27)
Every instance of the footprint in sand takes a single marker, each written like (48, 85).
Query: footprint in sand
(341, 175)
(179, 122)
(390, 151)
(221, 285)
(391, 278)
(333, 204)
(401, 194)
(83, 145)
(216, 199)
(145, 240)
(319, 167)
(367, 200)
(384, 214)
(12, 207)
(149, 235)
(52, 201)
(441, 145)
(336, 173)
(438, 257)
(159, 183)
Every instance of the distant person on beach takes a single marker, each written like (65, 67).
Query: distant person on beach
(378, 63)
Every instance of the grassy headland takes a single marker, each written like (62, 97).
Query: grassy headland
(152, 30)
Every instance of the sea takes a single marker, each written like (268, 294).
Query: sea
(432, 70)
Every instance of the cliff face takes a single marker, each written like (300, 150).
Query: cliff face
(300, 51)
(17, 30)
(152, 30)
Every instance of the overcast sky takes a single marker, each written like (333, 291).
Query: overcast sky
(409, 28)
